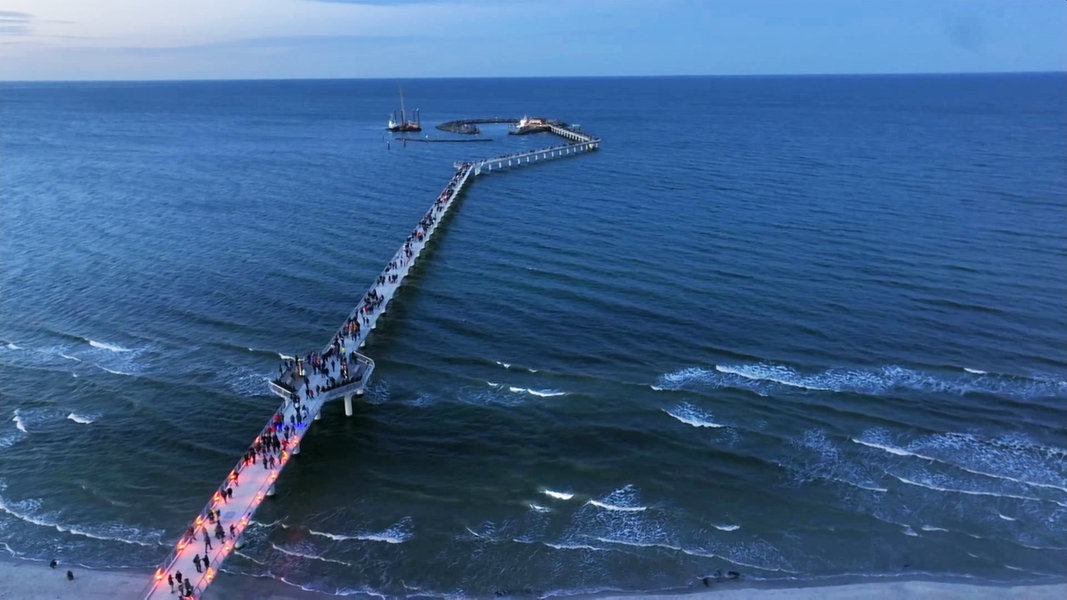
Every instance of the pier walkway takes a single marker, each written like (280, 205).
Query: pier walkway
(305, 383)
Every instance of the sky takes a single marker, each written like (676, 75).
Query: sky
(280, 39)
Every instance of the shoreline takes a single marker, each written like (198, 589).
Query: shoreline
(25, 578)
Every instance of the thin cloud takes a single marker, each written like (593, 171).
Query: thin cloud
(13, 22)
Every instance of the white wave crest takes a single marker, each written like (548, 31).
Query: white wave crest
(106, 346)
(975, 371)
(538, 508)
(19, 424)
(1006, 518)
(615, 507)
(503, 364)
(727, 527)
(574, 547)
(932, 528)
(557, 495)
(974, 449)
(80, 419)
(308, 556)
(691, 415)
(69, 357)
(931, 486)
(11, 346)
(112, 371)
(20, 512)
(762, 377)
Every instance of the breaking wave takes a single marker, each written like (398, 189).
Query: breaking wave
(106, 346)
(308, 556)
(557, 495)
(23, 511)
(763, 378)
(19, 424)
(80, 419)
(691, 415)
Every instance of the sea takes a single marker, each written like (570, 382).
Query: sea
(806, 329)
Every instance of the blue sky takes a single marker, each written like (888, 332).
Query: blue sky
(225, 39)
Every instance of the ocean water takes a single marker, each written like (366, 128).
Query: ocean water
(804, 328)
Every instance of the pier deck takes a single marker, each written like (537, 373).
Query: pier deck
(306, 383)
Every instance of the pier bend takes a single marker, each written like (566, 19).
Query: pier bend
(307, 382)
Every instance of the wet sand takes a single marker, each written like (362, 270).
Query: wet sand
(21, 579)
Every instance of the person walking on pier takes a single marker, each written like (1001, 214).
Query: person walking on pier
(196, 562)
(233, 531)
(219, 532)
(207, 563)
(178, 576)
(207, 541)
(170, 580)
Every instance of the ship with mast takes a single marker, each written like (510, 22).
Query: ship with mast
(403, 124)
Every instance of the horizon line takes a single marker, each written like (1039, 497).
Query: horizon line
(415, 78)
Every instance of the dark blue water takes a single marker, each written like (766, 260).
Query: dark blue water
(803, 328)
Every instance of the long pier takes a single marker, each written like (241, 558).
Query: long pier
(306, 383)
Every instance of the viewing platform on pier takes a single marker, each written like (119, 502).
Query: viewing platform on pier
(305, 383)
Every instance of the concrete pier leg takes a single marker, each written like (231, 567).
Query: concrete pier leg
(318, 416)
(348, 405)
(359, 392)
(296, 449)
(270, 490)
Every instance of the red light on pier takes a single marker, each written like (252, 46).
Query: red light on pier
(159, 574)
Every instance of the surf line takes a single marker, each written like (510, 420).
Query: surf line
(306, 382)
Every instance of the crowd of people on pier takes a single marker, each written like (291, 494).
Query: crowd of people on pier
(305, 378)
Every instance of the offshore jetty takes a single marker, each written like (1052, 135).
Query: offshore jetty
(305, 383)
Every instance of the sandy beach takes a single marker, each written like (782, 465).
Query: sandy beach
(23, 580)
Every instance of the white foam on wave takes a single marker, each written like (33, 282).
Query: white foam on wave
(933, 528)
(1006, 518)
(575, 547)
(11, 346)
(398, 533)
(284, 356)
(69, 357)
(616, 507)
(908, 531)
(763, 376)
(889, 449)
(106, 346)
(19, 424)
(775, 374)
(557, 495)
(656, 388)
(938, 488)
(503, 364)
(83, 420)
(112, 371)
(898, 451)
(727, 527)
(19, 511)
(691, 415)
(309, 556)
(541, 393)
(538, 508)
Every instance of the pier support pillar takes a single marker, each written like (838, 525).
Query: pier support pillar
(296, 450)
(318, 416)
(270, 490)
(348, 405)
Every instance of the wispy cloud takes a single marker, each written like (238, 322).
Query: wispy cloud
(13, 22)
